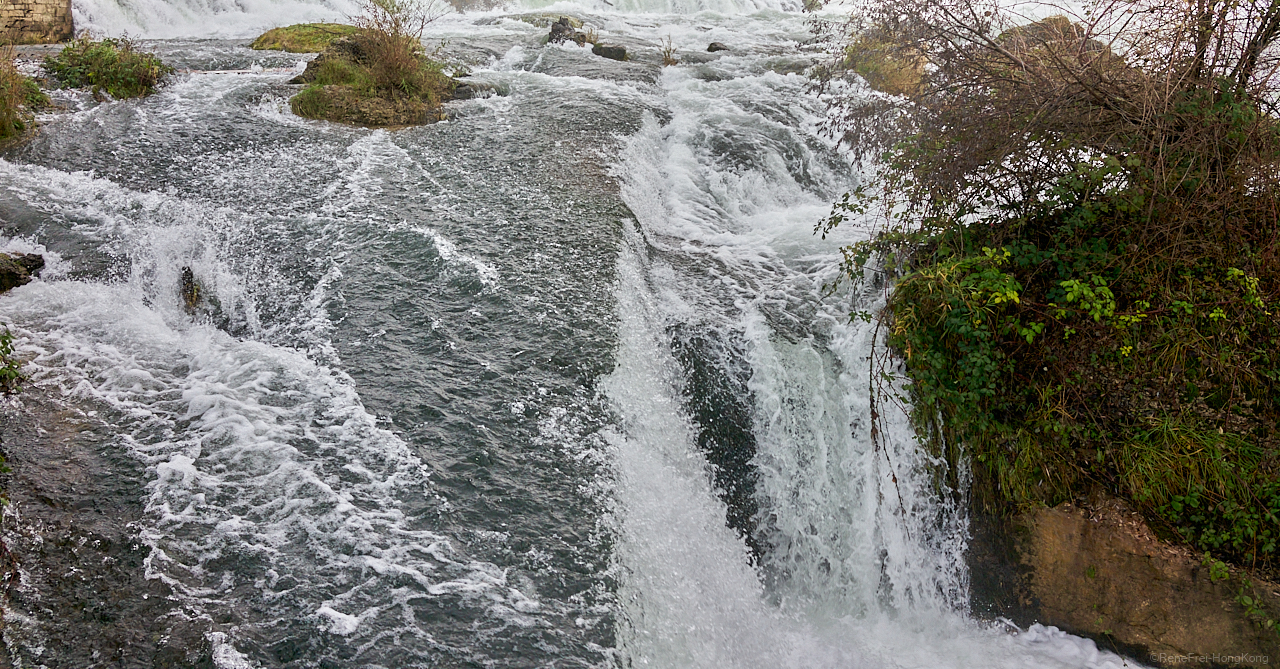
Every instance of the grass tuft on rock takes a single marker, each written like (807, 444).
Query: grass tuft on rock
(111, 64)
(304, 37)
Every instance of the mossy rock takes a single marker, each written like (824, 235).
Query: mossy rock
(303, 38)
(344, 104)
(547, 19)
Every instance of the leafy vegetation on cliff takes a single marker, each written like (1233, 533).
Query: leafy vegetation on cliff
(19, 97)
(1083, 220)
(111, 64)
(303, 37)
(10, 369)
(381, 75)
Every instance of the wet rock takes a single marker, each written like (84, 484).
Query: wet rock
(18, 269)
(466, 90)
(562, 31)
(1098, 571)
(611, 52)
(717, 46)
(189, 289)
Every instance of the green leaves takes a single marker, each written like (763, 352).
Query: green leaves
(110, 64)
(11, 375)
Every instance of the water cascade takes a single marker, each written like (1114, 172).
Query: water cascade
(552, 383)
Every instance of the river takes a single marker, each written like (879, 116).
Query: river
(553, 383)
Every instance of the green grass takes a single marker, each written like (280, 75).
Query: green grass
(113, 65)
(304, 37)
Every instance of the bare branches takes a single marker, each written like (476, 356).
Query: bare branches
(1178, 95)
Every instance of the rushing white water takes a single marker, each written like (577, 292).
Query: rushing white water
(273, 487)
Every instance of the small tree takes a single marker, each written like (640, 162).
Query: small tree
(391, 41)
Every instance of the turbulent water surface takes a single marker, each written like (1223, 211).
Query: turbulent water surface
(552, 383)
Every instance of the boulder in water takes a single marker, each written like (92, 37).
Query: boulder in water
(190, 290)
(611, 52)
(717, 46)
(17, 269)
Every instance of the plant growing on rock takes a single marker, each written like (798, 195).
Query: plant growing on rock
(10, 369)
(113, 65)
(1082, 216)
(668, 52)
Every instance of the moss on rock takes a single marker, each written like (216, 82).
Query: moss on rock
(303, 37)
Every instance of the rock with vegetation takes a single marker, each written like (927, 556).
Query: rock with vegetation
(563, 31)
(1085, 246)
(11, 375)
(111, 65)
(373, 80)
(303, 37)
(1096, 569)
(379, 76)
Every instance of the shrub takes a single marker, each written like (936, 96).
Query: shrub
(19, 96)
(110, 64)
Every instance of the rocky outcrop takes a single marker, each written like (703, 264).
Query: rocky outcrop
(1099, 571)
(17, 270)
(36, 21)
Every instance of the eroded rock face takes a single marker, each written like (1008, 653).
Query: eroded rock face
(17, 270)
(1100, 572)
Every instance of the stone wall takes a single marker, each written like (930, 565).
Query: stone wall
(36, 21)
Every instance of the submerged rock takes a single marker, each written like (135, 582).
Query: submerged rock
(611, 52)
(717, 46)
(18, 269)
